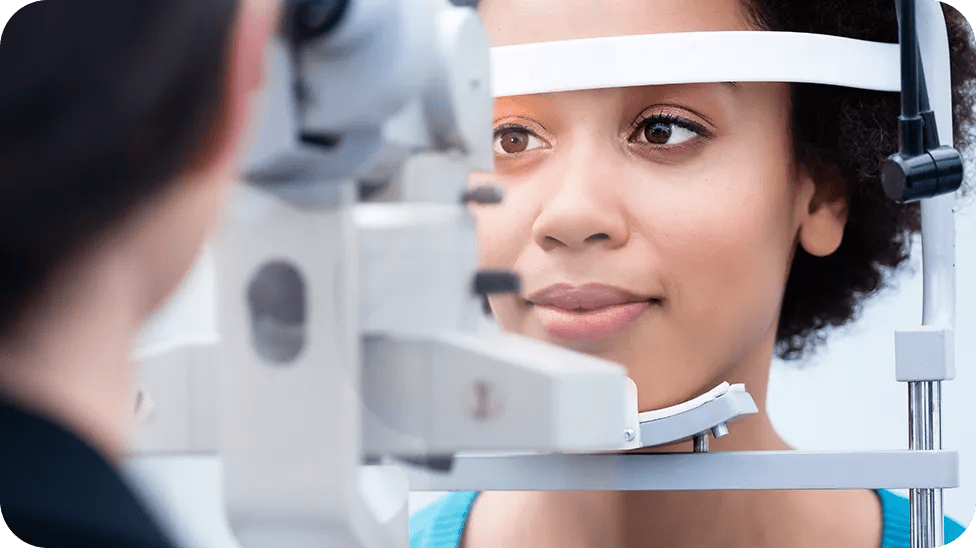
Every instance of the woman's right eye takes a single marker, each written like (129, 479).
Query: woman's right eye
(513, 140)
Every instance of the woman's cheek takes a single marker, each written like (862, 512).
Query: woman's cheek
(500, 235)
(729, 271)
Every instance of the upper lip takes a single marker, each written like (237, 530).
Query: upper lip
(587, 297)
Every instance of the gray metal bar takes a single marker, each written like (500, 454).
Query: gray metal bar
(938, 510)
(701, 443)
(916, 433)
(925, 434)
(745, 470)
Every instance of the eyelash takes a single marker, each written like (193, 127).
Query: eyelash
(637, 126)
(504, 127)
(641, 124)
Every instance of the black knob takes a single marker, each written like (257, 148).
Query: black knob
(908, 178)
(314, 18)
(949, 163)
(434, 463)
(488, 282)
(483, 195)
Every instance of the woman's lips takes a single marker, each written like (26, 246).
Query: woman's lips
(590, 324)
(588, 312)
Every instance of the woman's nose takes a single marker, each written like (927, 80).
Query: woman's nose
(581, 214)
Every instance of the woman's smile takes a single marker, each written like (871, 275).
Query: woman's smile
(590, 312)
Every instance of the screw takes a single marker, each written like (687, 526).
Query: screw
(720, 431)
(629, 434)
(701, 443)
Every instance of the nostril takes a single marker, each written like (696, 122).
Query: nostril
(550, 242)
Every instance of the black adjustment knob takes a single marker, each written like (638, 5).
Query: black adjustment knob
(948, 162)
(488, 282)
(314, 18)
(911, 178)
(483, 195)
(434, 463)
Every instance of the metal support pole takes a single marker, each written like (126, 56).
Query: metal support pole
(921, 25)
(925, 433)
(937, 510)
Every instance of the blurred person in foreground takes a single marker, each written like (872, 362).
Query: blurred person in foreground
(120, 124)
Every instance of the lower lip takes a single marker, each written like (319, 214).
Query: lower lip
(590, 324)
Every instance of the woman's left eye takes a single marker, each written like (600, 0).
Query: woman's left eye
(665, 132)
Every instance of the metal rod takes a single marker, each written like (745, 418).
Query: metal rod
(938, 261)
(921, 535)
(910, 122)
(908, 37)
(938, 309)
(935, 411)
(925, 426)
(713, 471)
(701, 443)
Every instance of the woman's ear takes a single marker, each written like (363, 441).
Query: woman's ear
(254, 25)
(822, 226)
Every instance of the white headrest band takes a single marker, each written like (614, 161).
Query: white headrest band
(694, 57)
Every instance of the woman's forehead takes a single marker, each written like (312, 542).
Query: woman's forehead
(510, 22)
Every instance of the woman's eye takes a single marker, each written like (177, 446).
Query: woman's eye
(515, 140)
(664, 132)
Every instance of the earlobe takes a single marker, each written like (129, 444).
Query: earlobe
(823, 230)
(826, 207)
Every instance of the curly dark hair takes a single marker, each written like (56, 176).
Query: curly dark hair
(855, 130)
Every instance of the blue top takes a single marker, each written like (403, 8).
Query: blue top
(441, 524)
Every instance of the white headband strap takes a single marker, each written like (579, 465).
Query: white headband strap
(694, 57)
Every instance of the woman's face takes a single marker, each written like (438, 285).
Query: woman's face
(651, 226)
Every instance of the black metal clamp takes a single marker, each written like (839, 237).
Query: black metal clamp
(922, 168)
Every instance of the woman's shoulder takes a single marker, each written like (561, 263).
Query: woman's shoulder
(897, 522)
(441, 524)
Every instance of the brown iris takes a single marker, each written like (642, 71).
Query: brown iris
(658, 133)
(514, 141)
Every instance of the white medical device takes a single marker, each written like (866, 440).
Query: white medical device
(350, 369)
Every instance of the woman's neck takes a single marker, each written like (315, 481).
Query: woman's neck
(72, 366)
(680, 519)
